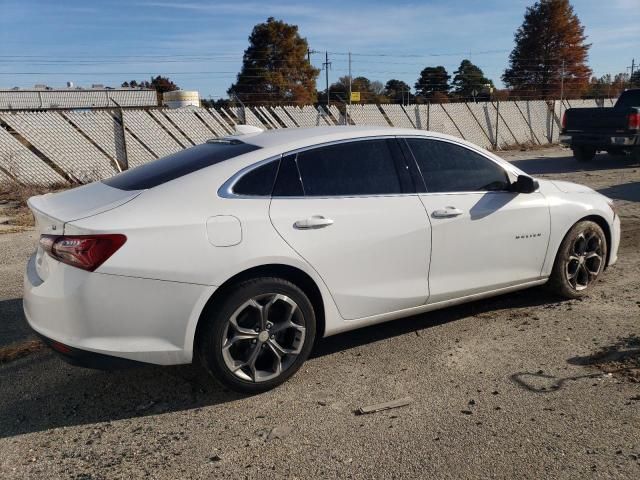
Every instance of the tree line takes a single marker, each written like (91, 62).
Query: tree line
(549, 60)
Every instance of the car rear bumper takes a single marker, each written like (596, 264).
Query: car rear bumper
(137, 319)
(600, 140)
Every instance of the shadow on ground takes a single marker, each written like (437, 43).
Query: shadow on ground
(13, 325)
(625, 191)
(46, 393)
(562, 164)
(621, 359)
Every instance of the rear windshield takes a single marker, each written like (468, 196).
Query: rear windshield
(629, 98)
(174, 166)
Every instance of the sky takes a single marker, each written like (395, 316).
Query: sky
(199, 44)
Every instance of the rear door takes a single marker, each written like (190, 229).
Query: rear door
(351, 211)
(484, 236)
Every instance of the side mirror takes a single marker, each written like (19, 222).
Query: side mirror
(525, 184)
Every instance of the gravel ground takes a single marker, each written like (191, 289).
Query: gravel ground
(512, 387)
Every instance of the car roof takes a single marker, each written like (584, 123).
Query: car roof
(292, 138)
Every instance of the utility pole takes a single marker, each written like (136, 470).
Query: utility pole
(561, 89)
(326, 66)
(349, 107)
(309, 52)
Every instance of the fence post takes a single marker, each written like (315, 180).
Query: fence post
(495, 146)
(553, 117)
(428, 113)
(125, 158)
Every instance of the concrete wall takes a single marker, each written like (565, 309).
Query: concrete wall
(54, 146)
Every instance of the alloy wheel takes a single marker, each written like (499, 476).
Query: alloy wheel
(585, 259)
(263, 337)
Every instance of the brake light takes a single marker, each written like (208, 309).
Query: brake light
(564, 120)
(634, 121)
(87, 252)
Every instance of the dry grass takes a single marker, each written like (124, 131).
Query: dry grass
(13, 201)
(525, 147)
(19, 350)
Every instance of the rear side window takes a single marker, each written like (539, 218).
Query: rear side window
(447, 167)
(257, 182)
(179, 164)
(366, 167)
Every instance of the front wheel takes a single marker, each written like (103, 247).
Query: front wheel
(584, 154)
(580, 260)
(259, 336)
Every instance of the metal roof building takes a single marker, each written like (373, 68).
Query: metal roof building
(76, 98)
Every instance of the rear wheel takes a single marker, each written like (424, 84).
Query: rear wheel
(580, 260)
(259, 336)
(584, 154)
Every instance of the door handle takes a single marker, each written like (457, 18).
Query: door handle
(314, 222)
(447, 212)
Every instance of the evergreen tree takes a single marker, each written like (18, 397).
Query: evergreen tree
(469, 78)
(433, 80)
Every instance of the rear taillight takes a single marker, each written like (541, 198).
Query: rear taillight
(564, 120)
(87, 252)
(634, 121)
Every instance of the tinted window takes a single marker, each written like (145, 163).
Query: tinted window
(288, 183)
(355, 168)
(447, 167)
(179, 164)
(257, 182)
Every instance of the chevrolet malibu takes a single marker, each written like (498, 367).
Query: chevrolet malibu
(241, 252)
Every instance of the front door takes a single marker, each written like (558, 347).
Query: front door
(484, 236)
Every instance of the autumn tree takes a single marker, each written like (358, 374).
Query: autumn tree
(275, 68)
(433, 80)
(634, 80)
(469, 81)
(550, 50)
(398, 91)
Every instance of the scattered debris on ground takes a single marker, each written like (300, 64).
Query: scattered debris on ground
(401, 402)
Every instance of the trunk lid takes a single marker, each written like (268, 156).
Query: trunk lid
(53, 211)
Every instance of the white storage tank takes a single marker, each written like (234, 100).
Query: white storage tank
(181, 98)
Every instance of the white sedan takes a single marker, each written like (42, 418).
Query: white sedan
(244, 250)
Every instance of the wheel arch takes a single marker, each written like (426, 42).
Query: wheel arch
(601, 222)
(286, 272)
(604, 225)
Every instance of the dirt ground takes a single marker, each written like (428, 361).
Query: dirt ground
(521, 386)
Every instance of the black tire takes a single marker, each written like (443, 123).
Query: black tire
(217, 330)
(587, 270)
(584, 154)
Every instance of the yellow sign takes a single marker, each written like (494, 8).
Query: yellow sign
(355, 96)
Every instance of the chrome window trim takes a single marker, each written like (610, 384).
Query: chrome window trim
(226, 190)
